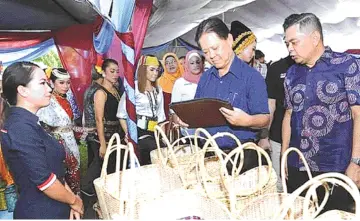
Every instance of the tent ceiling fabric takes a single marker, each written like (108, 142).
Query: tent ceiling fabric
(44, 14)
(179, 18)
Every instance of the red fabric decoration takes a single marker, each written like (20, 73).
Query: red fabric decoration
(140, 23)
(23, 39)
(129, 74)
(77, 54)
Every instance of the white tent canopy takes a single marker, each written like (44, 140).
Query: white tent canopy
(179, 18)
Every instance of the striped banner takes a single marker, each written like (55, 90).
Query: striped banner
(128, 61)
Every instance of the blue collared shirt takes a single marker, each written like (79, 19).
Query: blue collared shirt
(320, 98)
(244, 88)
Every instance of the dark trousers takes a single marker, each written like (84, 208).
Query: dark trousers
(339, 199)
(146, 145)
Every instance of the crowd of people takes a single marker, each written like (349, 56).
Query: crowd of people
(308, 100)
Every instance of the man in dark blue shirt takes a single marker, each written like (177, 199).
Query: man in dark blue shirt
(232, 80)
(322, 97)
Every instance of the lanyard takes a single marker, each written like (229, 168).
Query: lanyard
(153, 102)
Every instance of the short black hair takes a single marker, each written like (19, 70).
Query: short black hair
(107, 62)
(307, 22)
(215, 25)
(259, 54)
(181, 57)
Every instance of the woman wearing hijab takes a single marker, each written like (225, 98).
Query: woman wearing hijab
(172, 71)
(185, 87)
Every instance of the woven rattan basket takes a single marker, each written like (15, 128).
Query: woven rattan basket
(149, 181)
(264, 207)
(254, 182)
(322, 181)
(182, 148)
(178, 203)
(343, 181)
(245, 186)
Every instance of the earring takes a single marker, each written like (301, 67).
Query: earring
(104, 75)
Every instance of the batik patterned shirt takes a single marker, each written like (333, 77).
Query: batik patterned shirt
(321, 98)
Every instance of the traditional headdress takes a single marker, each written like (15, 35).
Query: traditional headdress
(242, 36)
(149, 60)
(61, 74)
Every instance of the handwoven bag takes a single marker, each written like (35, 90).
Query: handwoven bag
(265, 206)
(254, 182)
(340, 180)
(183, 152)
(179, 203)
(149, 181)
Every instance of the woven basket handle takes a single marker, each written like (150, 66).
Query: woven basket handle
(224, 175)
(111, 148)
(284, 163)
(336, 179)
(126, 184)
(169, 130)
(176, 145)
(216, 149)
(320, 180)
(262, 182)
(159, 133)
(283, 172)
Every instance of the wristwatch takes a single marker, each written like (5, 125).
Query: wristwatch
(356, 160)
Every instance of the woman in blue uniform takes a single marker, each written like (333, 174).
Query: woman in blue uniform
(35, 158)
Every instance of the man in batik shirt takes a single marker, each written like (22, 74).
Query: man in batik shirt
(322, 118)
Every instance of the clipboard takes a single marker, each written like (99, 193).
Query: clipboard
(203, 112)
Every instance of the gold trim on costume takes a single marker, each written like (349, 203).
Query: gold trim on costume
(244, 44)
(238, 38)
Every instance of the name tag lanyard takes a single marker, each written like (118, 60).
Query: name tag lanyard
(153, 102)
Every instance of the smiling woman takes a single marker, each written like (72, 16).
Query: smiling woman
(57, 118)
(172, 71)
(34, 158)
(149, 106)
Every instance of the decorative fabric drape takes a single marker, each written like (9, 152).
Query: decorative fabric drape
(77, 54)
(16, 46)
